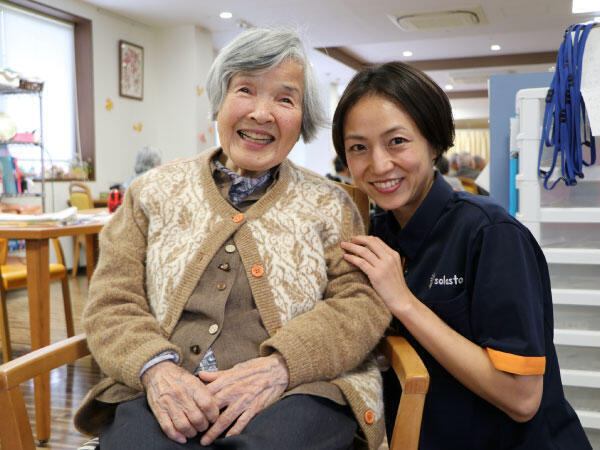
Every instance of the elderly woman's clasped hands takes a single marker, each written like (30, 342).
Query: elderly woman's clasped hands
(184, 405)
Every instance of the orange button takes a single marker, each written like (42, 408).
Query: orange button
(221, 285)
(257, 271)
(238, 218)
(369, 416)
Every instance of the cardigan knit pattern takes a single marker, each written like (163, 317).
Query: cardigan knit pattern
(320, 312)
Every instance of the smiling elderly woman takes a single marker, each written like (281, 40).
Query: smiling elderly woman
(222, 309)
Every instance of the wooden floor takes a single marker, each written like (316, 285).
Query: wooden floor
(69, 383)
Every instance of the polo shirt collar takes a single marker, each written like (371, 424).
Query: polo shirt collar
(419, 226)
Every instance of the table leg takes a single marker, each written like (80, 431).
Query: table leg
(91, 254)
(38, 290)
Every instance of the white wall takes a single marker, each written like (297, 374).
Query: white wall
(318, 154)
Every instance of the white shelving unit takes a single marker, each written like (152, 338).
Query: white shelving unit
(566, 223)
(39, 145)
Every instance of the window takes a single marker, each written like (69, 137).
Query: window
(37, 46)
(55, 46)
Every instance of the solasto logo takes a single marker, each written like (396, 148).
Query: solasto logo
(445, 280)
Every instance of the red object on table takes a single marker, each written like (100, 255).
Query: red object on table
(115, 198)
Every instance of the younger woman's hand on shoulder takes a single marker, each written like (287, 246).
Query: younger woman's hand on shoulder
(383, 267)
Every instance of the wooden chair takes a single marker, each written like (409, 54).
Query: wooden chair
(14, 276)
(405, 362)
(15, 431)
(81, 198)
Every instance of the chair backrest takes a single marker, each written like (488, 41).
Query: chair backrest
(80, 195)
(60, 256)
(360, 199)
(3, 250)
(469, 185)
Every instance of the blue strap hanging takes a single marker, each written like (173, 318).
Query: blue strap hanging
(565, 126)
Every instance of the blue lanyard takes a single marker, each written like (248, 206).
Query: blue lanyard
(565, 115)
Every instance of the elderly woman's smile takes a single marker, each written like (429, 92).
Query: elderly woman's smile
(256, 137)
(260, 118)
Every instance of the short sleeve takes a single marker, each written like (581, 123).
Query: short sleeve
(508, 300)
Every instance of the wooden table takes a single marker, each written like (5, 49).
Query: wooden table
(38, 290)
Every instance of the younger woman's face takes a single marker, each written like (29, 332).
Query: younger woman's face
(388, 157)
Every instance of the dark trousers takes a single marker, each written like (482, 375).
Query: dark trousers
(296, 422)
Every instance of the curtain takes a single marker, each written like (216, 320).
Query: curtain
(475, 142)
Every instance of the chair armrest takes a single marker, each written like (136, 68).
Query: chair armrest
(42, 360)
(407, 364)
(15, 431)
(414, 379)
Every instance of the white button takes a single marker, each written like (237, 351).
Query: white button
(213, 328)
(230, 248)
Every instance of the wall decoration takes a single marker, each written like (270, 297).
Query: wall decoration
(199, 90)
(203, 138)
(138, 127)
(109, 104)
(131, 70)
(210, 129)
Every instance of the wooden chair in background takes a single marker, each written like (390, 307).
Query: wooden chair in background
(15, 430)
(81, 198)
(14, 276)
(469, 185)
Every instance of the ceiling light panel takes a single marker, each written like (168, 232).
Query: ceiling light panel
(435, 20)
(585, 6)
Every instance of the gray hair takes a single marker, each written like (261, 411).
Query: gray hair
(265, 48)
(146, 158)
(479, 161)
(464, 160)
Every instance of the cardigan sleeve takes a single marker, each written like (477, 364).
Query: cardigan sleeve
(343, 328)
(122, 332)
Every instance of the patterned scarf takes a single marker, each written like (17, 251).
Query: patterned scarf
(242, 187)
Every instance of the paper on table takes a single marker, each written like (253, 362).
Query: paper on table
(64, 216)
(590, 79)
(103, 216)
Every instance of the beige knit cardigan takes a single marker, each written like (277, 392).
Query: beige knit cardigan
(320, 312)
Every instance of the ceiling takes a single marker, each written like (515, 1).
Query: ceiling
(360, 32)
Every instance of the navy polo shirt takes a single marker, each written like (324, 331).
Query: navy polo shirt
(482, 273)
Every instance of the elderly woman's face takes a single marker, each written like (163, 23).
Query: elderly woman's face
(387, 155)
(260, 118)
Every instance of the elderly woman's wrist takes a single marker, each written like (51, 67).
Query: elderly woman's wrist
(279, 369)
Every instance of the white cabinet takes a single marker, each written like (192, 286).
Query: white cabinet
(566, 223)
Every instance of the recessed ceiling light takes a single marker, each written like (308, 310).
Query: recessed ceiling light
(495, 48)
(225, 15)
(407, 53)
(585, 6)
(448, 87)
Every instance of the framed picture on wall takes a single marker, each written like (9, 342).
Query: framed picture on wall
(131, 70)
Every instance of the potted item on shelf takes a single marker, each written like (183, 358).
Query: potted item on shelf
(31, 84)
(9, 79)
(27, 137)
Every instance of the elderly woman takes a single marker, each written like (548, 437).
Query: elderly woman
(222, 309)
(146, 158)
(466, 283)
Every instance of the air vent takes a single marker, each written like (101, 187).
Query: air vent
(436, 20)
